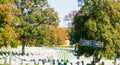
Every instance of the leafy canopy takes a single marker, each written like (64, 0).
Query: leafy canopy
(7, 32)
(97, 20)
(35, 18)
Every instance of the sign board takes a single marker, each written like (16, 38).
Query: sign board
(87, 43)
(91, 43)
(99, 44)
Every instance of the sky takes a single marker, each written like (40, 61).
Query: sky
(63, 7)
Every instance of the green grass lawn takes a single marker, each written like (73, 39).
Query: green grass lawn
(4, 64)
(63, 46)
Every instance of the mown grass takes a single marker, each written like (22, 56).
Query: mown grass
(63, 46)
(4, 64)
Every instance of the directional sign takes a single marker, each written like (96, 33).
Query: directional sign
(87, 43)
(99, 44)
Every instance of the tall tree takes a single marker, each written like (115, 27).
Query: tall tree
(7, 32)
(98, 20)
(33, 14)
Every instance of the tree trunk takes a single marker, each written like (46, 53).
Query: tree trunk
(97, 58)
(23, 48)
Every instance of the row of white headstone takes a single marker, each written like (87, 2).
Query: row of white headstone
(24, 61)
(37, 53)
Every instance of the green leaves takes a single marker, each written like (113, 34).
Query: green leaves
(91, 25)
(36, 18)
(14, 44)
(98, 20)
(7, 32)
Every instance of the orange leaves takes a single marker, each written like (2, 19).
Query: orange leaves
(15, 11)
(62, 35)
(5, 13)
(7, 32)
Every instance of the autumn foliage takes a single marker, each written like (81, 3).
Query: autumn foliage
(7, 33)
(5, 14)
(36, 26)
(62, 35)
